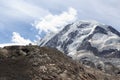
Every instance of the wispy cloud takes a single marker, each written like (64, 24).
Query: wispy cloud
(20, 9)
(53, 23)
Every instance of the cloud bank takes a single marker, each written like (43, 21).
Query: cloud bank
(53, 23)
(17, 38)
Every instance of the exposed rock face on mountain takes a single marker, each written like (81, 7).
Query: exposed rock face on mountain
(88, 42)
(35, 63)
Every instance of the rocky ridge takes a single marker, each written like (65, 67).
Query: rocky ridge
(43, 63)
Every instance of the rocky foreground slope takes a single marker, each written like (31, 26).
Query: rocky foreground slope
(35, 63)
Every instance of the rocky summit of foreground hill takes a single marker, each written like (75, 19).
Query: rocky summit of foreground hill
(42, 63)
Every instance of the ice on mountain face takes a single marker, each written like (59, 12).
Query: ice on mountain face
(105, 41)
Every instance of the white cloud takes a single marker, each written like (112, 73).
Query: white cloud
(53, 23)
(105, 11)
(17, 38)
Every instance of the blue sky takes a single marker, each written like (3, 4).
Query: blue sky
(23, 21)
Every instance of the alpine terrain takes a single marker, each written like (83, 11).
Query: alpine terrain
(93, 44)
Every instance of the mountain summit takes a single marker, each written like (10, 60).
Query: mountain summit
(92, 43)
(101, 39)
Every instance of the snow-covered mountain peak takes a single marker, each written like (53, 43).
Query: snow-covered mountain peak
(91, 26)
(85, 35)
(91, 42)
